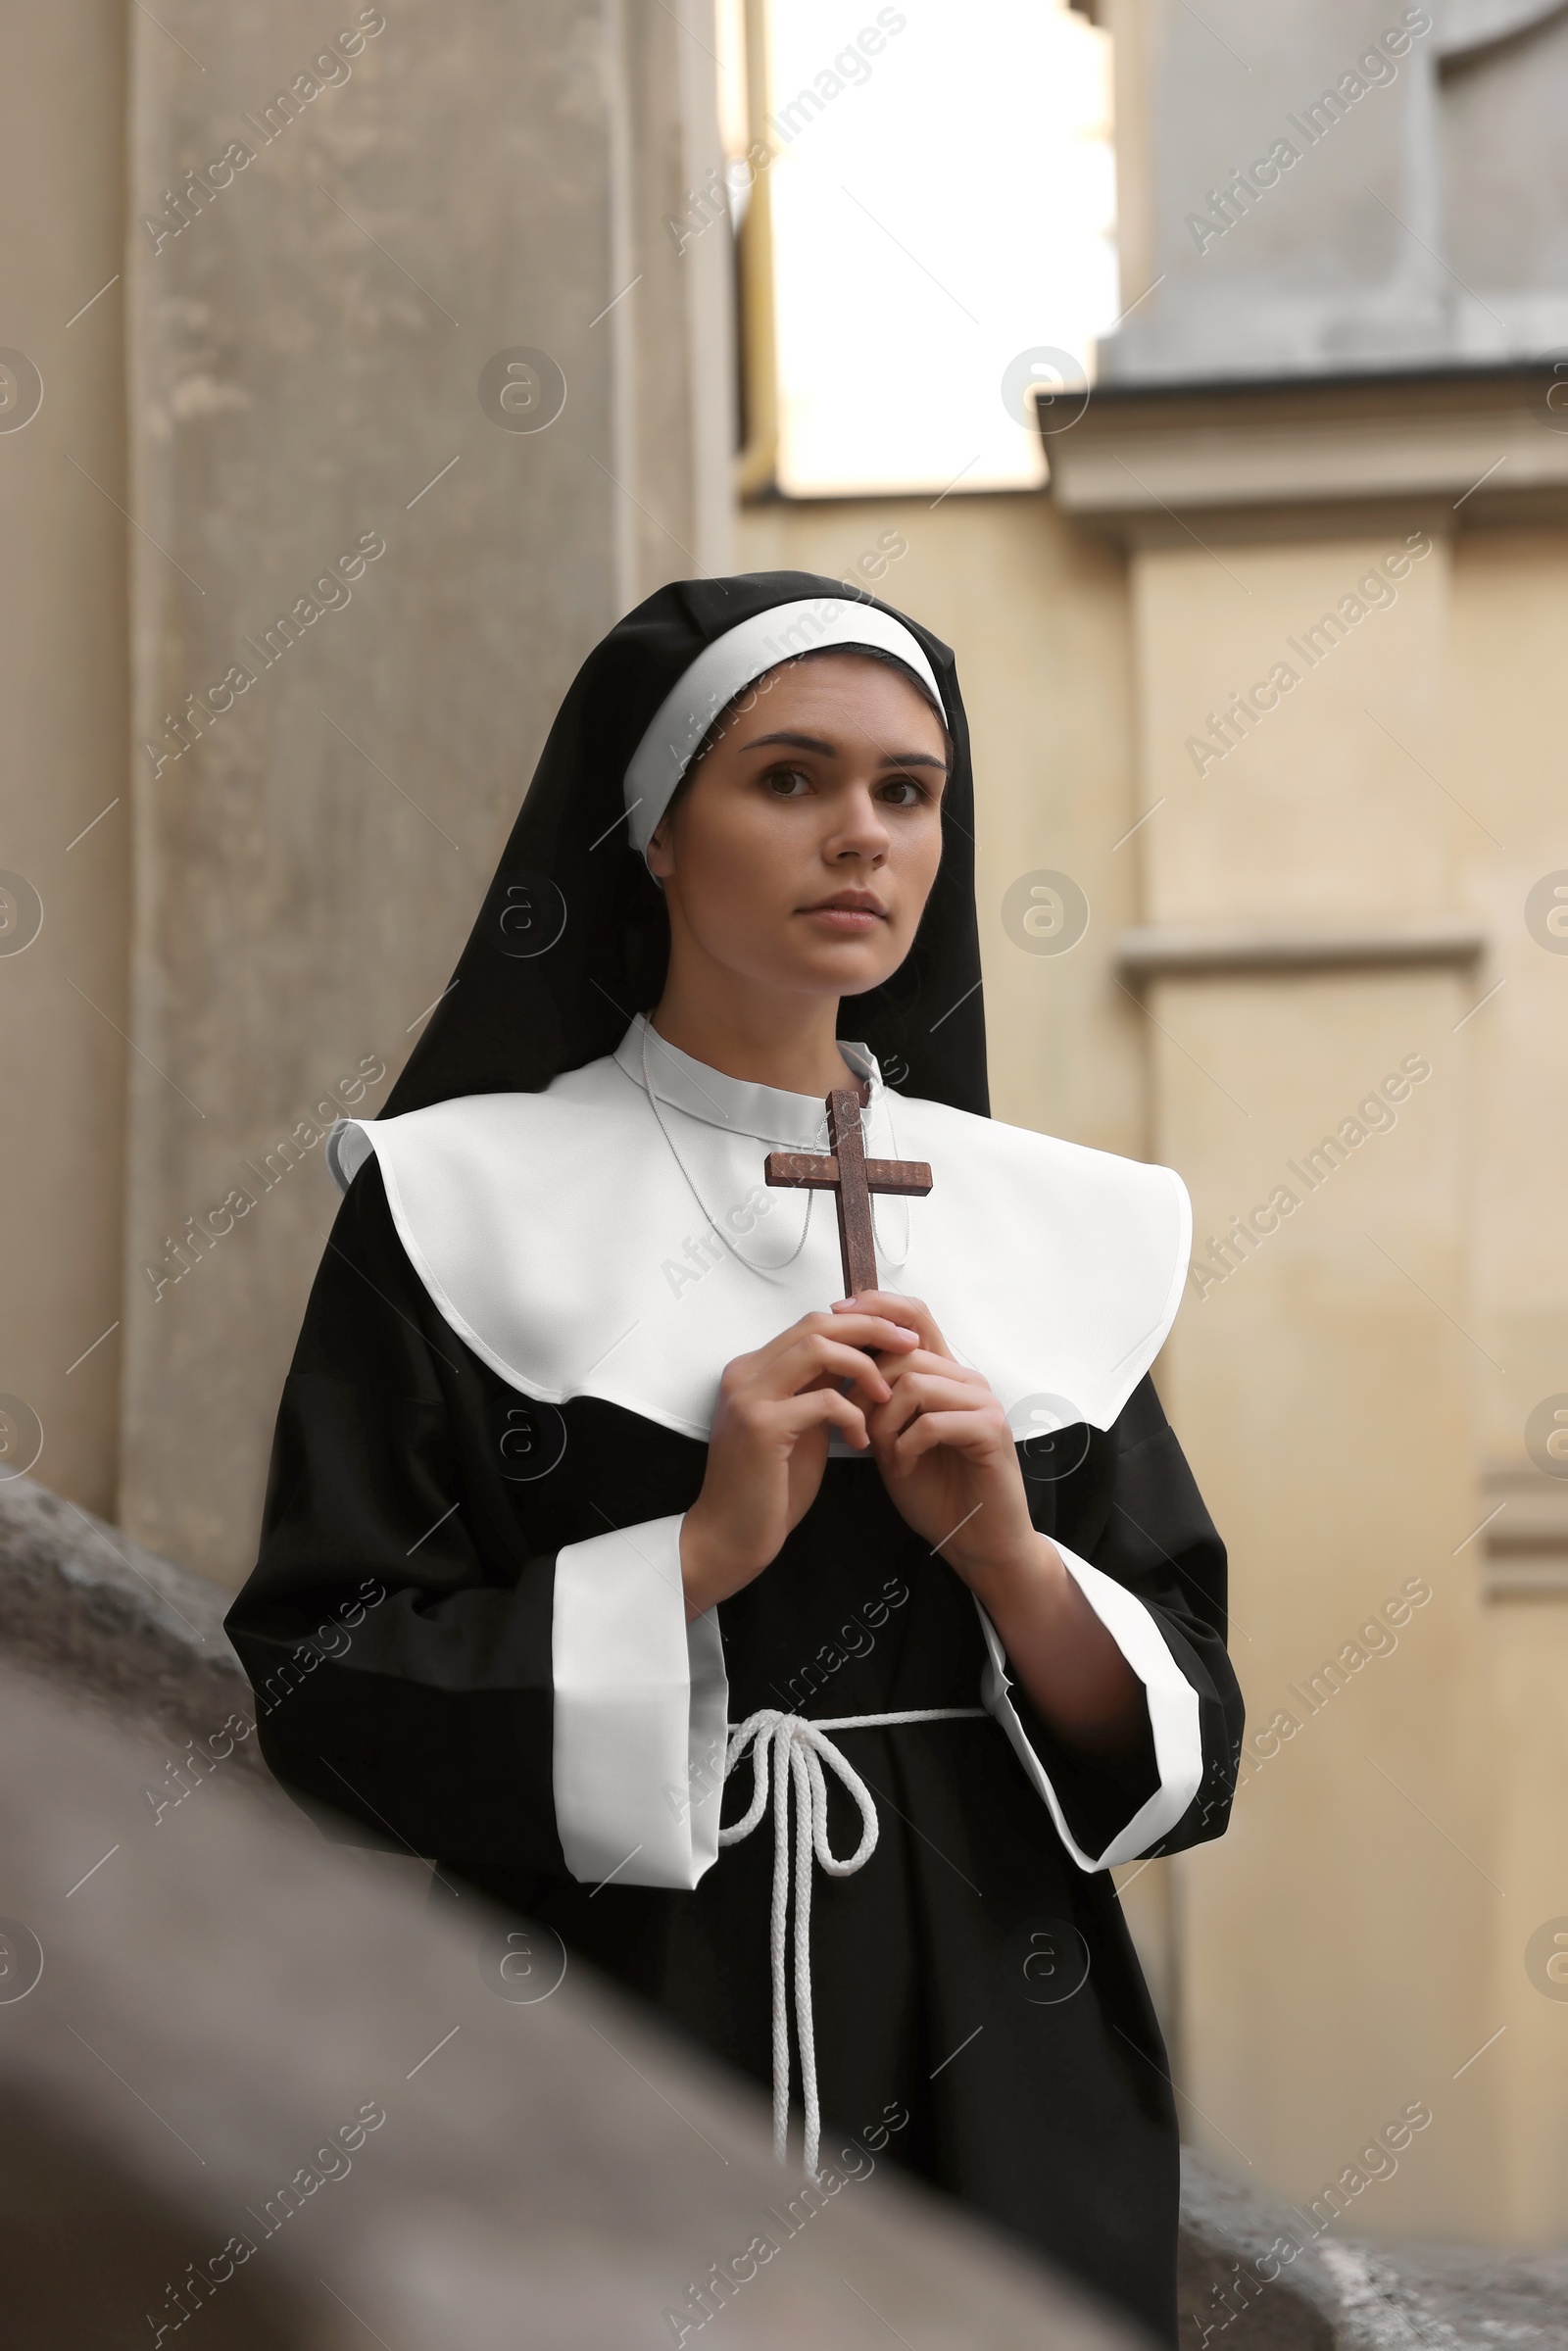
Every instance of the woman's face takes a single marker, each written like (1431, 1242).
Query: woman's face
(803, 851)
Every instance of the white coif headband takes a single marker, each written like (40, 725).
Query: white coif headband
(725, 668)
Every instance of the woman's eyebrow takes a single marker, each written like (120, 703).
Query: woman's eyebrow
(794, 742)
(819, 743)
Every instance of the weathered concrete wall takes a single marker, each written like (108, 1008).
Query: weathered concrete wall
(365, 582)
(63, 719)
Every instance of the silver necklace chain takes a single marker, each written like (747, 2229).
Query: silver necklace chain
(751, 1264)
(754, 1264)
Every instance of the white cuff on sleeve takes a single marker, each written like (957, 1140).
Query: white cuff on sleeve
(641, 1705)
(1174, 1716)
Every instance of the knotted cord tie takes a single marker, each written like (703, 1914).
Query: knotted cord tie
(787, 1754)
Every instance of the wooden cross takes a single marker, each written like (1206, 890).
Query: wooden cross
(852, 1177)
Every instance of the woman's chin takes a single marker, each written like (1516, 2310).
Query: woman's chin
(845, 973)
(819, 966)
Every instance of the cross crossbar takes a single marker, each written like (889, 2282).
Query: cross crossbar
(847, 1172)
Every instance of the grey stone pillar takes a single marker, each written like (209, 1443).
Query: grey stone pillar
(63, 821)
(423, 394)
(1320, 188)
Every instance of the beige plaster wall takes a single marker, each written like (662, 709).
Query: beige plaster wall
(1522, 1659)
(63, 705)
(1327, 809)
(1507, 725)
(1333, 1946)
(1360, 1935)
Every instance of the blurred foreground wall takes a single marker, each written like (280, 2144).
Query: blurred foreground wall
(252, 2082)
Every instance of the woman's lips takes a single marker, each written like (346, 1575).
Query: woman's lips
(846, 919)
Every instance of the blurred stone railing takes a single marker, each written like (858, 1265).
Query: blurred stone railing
(135, 1636)
(223, 1965)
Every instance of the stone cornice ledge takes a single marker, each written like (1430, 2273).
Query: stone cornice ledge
(1193, 951)
(1482, 442)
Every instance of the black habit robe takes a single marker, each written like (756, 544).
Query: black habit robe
(465, 1628)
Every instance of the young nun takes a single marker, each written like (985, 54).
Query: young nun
(622, 1497)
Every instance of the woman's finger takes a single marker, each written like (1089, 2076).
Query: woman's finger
(794, 1414)
(873, 1332)
(920, 1362)
(907, 1313)
(818, 1357)
(973, 1434)
(925, 1393)
(867, 1328)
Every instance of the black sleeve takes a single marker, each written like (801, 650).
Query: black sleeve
(1125, 1501)
(397, 1626)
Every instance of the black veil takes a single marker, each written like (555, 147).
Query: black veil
(572, 938)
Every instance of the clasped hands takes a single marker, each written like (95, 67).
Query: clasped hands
(877, 1367)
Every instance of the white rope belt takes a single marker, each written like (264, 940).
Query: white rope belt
(786, 1749)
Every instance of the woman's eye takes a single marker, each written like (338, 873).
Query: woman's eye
(787, 782)
(911, 794)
